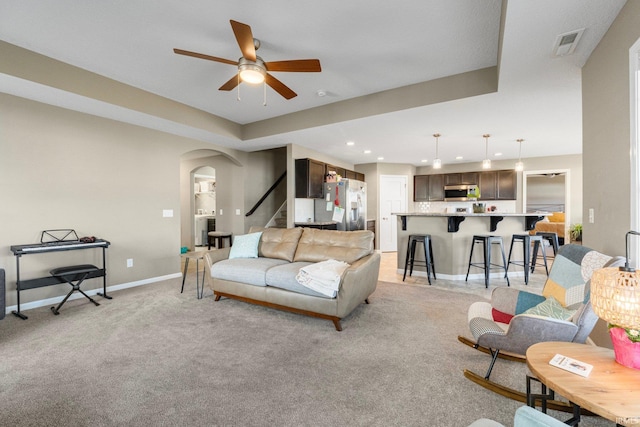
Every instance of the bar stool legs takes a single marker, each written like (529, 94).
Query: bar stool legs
(410, 260)
(529, 262)
(487, 241)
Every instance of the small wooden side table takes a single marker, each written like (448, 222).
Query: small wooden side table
(611, 390)
(197, 256)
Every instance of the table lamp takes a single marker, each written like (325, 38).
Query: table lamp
(615, 297)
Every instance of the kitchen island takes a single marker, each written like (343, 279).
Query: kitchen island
(452, 233)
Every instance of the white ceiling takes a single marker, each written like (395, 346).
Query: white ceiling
(364, 47)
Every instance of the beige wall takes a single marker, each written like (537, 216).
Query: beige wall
(606, 132)
(63, 169)
(606, 145)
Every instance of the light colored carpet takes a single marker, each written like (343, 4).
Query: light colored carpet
(152, 356)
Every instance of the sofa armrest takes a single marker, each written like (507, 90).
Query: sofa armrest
(359, 281)
(211, 257)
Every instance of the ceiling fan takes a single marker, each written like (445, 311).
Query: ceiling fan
(251, 68)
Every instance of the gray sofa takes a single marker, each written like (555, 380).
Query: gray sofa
(270, 279)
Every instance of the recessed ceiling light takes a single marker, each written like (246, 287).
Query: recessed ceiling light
(498, 154)
(321, 93)
(351, 143)
(459, 157)
(367, 151)
(380, 158)
(424, 160)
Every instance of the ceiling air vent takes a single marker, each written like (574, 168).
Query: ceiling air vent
(566, 43)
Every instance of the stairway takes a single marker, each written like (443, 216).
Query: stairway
(279, 219)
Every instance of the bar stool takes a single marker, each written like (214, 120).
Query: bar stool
(219, 237)
(528, 263)
(410, 259)
(553, 240)
(487, 241)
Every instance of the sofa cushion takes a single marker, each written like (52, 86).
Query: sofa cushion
(279, 243)
(252, 271)
(245, 246)
(321, 245)
(284, 277)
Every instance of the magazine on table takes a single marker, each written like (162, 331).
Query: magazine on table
(572, 365)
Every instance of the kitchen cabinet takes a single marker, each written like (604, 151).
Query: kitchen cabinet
(340, 171)
(309, 179)
(461, 178)
(506, 185)
(345, 173)
(498, 185)
(427, 188)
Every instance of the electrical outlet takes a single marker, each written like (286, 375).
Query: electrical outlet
(591, 216)
(167, 213)
(237, 211)
(129, 262)
(220, 211)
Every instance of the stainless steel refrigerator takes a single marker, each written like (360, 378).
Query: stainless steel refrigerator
(345, 203)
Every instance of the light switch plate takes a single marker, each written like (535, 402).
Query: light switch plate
(167, 213)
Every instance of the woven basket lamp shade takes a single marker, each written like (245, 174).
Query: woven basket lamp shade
(615, 296)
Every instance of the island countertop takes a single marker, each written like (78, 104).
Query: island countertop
(455, 218)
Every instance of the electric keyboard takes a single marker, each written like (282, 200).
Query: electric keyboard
(62, 245)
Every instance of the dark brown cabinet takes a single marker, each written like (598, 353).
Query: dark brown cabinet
(461, 178)
(506, 184)
(309, 179)
(311, 176)
(428, 188)
(340, 171)
(498, 185)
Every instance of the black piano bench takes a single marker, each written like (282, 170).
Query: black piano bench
(77, 273)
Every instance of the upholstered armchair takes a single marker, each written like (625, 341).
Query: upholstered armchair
(514, 320)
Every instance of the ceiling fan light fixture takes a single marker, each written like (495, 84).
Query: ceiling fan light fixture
(251, 72)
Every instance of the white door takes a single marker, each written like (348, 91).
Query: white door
(393, 198)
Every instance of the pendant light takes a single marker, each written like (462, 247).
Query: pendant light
(437, 163)
(486, 163)
(519, 164)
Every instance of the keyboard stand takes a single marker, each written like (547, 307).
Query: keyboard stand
(69, 274)
(30, 249)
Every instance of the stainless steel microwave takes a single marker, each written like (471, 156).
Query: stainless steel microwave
(460, 192)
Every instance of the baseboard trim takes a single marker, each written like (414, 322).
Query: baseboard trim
(91, 292)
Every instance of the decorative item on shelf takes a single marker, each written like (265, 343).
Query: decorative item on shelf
(615, 297)
(474, 194)
(437, 163)
(331, 176)
(519, 164)
(576, 232)
(486, 163)
(479, 208)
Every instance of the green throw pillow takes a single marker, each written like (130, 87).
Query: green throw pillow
(551, 308)
(245, 246)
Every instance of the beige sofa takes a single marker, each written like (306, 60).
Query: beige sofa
(270, 279)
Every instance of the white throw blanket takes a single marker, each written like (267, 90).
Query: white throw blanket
(323, 277)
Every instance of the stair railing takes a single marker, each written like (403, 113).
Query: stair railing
(266, 194)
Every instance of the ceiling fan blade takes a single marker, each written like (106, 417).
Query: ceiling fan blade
(296, 65)
(245, 39)
(280, 87)
(203, 56)
(231, 84)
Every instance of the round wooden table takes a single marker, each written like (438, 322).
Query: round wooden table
(611, 390)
